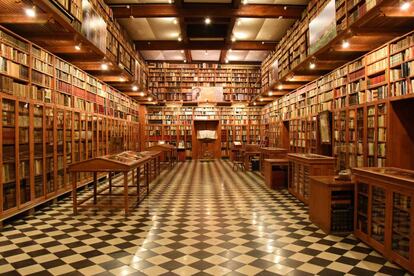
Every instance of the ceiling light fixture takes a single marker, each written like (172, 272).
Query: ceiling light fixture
(78, 47)
(179, 38)
(285, 7)
(312, 65)
(254, 103)
(185, 61)
(405, 5)
(175, 21)
(270, 93)
(30, 12)
(280, 87)
(149, 98)
(142, 94)
(182, 51)
(245, 2)
(134, 88)
(233, 38)
(227, 61)
(104, 66)
(207, 20)
(122, 79)
(261, 99)
(169, 1)
(345, 44)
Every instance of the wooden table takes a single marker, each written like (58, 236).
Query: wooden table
(272, 178)
(302, 166)
(170, 154)
(271, 153)
(331, 204)
(124, 162)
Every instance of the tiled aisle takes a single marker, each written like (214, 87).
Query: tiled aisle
(201, 218)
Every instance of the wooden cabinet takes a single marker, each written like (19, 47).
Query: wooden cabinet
(302, 166)
(276, 172)
(331, 204)
(271, 153)
(384, 214)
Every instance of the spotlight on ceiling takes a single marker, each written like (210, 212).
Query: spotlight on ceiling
(30, 12)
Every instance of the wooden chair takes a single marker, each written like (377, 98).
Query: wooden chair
(251, 151)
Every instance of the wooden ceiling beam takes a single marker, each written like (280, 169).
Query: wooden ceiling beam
(204, 45)
(203, 10)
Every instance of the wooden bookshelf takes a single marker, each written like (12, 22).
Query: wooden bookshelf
(383, 212)
(174, 82)
(367, 101)
(175, 125)
(53, 114)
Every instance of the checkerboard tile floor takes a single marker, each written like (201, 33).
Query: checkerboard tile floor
(200, 219)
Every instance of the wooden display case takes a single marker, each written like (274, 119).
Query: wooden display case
(125, 162)
(331, 204)
(384, 214)
(302, 166)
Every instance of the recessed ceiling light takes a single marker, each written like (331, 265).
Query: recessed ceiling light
(345, 44)
(134, 88)
(30, 12)
(207, 20)
(77, 47)
(405, 6)
(312, 65)
(104, 66)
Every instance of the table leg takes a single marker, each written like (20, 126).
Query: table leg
(126, 192)
(95, 187)
(137, 180)
(147, 178)
(74, 193)
(110, 183)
